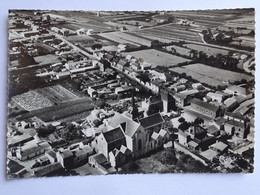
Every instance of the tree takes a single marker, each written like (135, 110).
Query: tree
(70, 127)
(198, 121)
(156, 44)
(184, 126)
(43, 131)
(48, 17)
(170, 19)
(100, 103)
(97, 122)
(167, 157)
(96, 46)
(181, 119)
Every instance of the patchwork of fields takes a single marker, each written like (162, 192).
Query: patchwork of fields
(171, 31)
(210, 75)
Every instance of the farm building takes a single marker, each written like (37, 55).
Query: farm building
(236, 90)
(230, 103)
(206, 108)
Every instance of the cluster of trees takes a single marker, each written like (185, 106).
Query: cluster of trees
(96, 46)
(219, 61)
(184, 125)
(70, 132)
(167, 157)
(44, 131)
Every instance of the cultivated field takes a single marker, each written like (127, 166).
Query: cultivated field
(124, 38)
(44, 97)
(64, 110)
(156, 57)
(210, 75)
(134, 22)
(32, 100)
(245, 41)
(171, 31)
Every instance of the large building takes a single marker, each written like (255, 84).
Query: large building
(206, 109)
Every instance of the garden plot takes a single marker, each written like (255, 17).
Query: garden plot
(44, 97)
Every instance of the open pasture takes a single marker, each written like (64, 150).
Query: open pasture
(157, 58)
(211, 75)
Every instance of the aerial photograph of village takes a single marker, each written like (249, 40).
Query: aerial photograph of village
(125, 92)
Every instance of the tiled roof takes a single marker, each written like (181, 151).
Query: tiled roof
(66, 153)
(213, 129)
(114, 134)
(235, 124)
(192, 144)
(204, 105)
(100, 158)
(219, 145)
(235, 115)
(151, 120)
(51, 153)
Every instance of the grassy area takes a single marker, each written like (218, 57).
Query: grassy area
(47, 59)
(157, 58)
(180, 50)
(207, 50)
(207, 74)
(166, 161)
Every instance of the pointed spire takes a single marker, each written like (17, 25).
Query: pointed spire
(134, 108)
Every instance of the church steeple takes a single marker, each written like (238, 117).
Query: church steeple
(134, 111)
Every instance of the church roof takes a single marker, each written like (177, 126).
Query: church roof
(113, 135)
(151, 120)
(128, 125)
